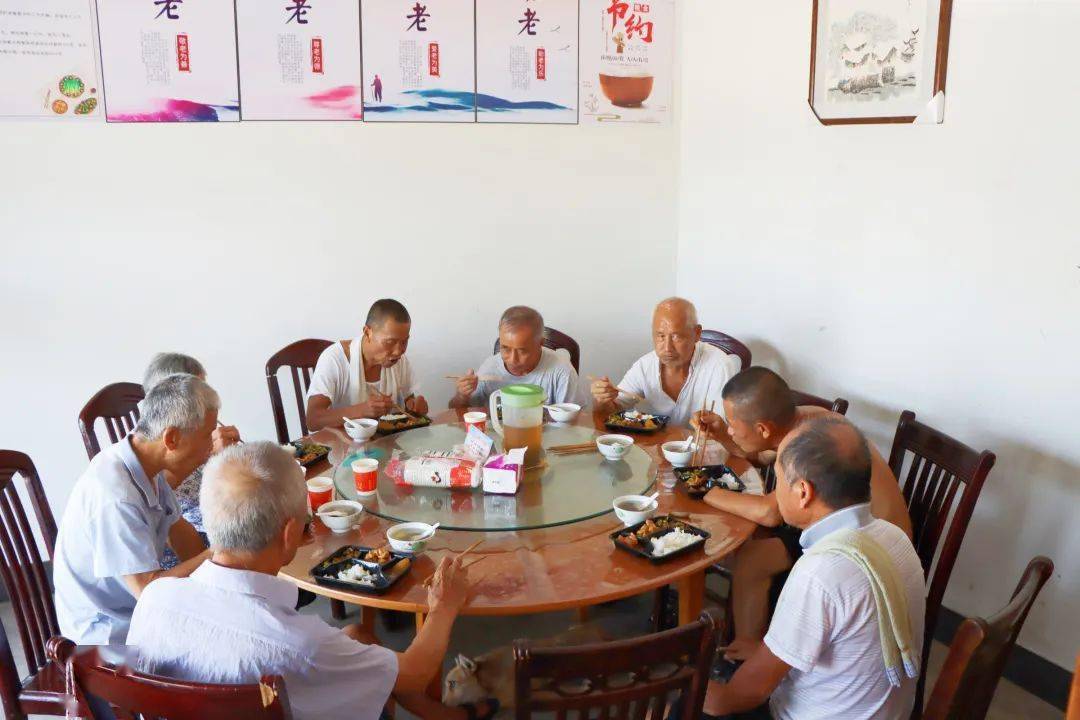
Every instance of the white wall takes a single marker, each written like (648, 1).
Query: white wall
(229, 242)
(930, 268)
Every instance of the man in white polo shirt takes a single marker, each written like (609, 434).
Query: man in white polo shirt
(233, 620)
(122, 513)
(678, 376)
(822, 656)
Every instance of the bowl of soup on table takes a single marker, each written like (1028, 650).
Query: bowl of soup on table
(632, 509)
(340, 516)
(410, 537)
(614, 447)
(563, 412)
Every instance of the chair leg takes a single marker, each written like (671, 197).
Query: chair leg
(337, 609)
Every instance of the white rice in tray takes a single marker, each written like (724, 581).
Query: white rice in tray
(357, 574)
(677, 539)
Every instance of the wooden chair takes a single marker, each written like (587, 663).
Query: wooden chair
(979, 649)
(300, 358)
(117, 405)
(23, 571)
(555, 340)
(940, 469)
(625, 678)
(839, 405)
(728, 344)
(133, 695)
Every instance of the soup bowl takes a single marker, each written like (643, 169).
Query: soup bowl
(614, 447)
(632, 509)
(404, 537)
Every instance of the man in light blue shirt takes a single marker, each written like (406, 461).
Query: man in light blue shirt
(122, 513)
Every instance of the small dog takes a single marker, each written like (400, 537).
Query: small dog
(473, 680)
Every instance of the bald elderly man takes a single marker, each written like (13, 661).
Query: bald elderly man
(678, 376)
(366, 376)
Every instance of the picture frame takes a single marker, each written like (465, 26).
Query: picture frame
(879, 61)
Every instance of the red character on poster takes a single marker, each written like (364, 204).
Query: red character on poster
(316, 56)
(541, 64)
(433, 59)
(183, 55)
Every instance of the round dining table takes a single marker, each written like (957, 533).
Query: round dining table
(546, 548)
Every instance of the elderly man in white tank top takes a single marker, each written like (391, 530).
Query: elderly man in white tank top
(366, 376)
(678, 377)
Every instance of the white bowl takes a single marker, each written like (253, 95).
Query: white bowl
(632, 517)
(409, 546)
(614, 447)
(339, 524)
(563, 412)
(365, 431)
(675, 455)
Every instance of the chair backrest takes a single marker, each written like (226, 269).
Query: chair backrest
(940, 470)
(134, 695)
(23, 569)
(556, 340)
(625, 678)
(117, 405)
(728, 344)
(979, 649)
(839, 405)
(300, 358)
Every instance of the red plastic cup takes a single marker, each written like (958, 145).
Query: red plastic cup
(477, 420)
(366, 475)
(320, 490)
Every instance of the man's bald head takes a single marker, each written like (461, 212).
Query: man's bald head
(832, 455)
(758, 395)
(249, 491)
(680, 310)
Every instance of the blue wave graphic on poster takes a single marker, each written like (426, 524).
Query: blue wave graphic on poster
(437, 100)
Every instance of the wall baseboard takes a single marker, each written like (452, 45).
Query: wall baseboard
(1035, 674)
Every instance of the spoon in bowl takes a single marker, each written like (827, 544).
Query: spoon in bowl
(429, 532)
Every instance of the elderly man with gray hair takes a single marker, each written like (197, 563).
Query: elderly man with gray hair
(522, 359)
(122, 513)
(233, 620)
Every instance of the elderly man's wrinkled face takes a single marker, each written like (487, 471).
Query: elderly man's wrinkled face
(189, 450)
(674, 338)
(520, 348)
(386, 343)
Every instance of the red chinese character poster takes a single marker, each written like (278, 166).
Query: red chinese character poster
(627, 60)
(168, 60)
(527, 61)
(300, 59)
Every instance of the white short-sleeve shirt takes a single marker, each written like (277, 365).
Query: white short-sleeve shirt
(554, 373)
(333, 379)
(826, 628)
(116, 523)
(223, 625)
(710, 369)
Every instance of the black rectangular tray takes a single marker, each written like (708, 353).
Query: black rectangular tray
(325, 573)
(639, 552)
(662, 421)
(298, 444)
(715, 475)
(423, 421)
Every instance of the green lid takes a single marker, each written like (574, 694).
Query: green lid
(522, 396)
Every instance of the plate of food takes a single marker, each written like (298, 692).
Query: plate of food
(700, 479)
(308, 453)
(362, 569)
(636, 421)
(660, 539)
(398, 422)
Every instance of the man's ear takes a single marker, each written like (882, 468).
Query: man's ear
(764, 429)
(697, 333)
(805, 492)
(288, 532)
(171, 438)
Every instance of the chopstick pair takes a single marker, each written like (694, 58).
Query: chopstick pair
(627, 393)
(571, 449)
(481, 378)
(463, 553)
(699, 453)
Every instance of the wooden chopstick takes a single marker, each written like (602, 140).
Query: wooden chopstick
(627, 393)
(481, 378)
(705, 439)
(463, 553)
(567, 448)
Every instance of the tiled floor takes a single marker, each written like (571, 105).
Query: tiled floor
(474, 635)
